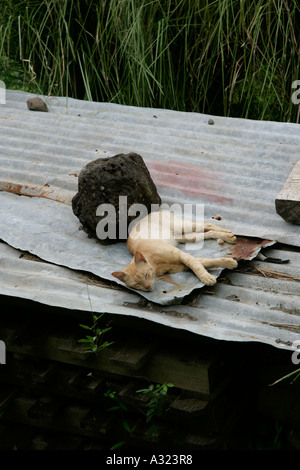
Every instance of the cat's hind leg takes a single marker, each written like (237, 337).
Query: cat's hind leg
(210, 226)
(206, 226)
(228, 263)
(188, 231)
(194, 237)
(225, 236)
(215, 231)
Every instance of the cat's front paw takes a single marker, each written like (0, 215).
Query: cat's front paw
(230, 263)
(229, 238)
(208, 279)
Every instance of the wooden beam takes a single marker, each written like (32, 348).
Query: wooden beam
(287, 202)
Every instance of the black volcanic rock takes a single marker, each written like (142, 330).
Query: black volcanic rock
(104, 181)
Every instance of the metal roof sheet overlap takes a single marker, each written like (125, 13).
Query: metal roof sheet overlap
(235, 167)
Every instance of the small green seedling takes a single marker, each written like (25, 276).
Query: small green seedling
(94, 341)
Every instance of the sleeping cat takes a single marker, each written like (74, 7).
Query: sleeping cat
(153, 244)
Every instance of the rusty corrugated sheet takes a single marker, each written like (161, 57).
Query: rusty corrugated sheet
(247, 307)
(51, 231)
(235, 167)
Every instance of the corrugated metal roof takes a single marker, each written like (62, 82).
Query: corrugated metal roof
(235, 167)
(50, 230)
(248, 308)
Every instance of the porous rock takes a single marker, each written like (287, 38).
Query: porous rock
(37, 104)
(103, 181)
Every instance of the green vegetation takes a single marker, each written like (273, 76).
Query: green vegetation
(121, 409)
(288, 376)
(223, 57)
(157, 399)
(93, 342)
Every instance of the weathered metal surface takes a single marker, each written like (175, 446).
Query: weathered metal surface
(51, 231)
(235, 168)
(37, 191)
(250, 308)
(248, 248)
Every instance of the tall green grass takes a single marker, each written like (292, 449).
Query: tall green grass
(224, 57)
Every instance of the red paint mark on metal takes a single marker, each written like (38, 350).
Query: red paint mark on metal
(191, 180)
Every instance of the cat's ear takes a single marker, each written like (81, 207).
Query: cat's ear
(139, 258)
(120, 275)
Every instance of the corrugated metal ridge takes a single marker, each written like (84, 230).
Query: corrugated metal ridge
(51, 231)
(212, 140)
(236, 167)
(230, 314)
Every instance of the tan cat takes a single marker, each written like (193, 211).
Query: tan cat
(153, 241)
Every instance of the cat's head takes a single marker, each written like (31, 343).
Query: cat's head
(139, 274)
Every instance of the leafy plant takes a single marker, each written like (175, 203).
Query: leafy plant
(94, 341)
(157, 399)
(118, 406)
